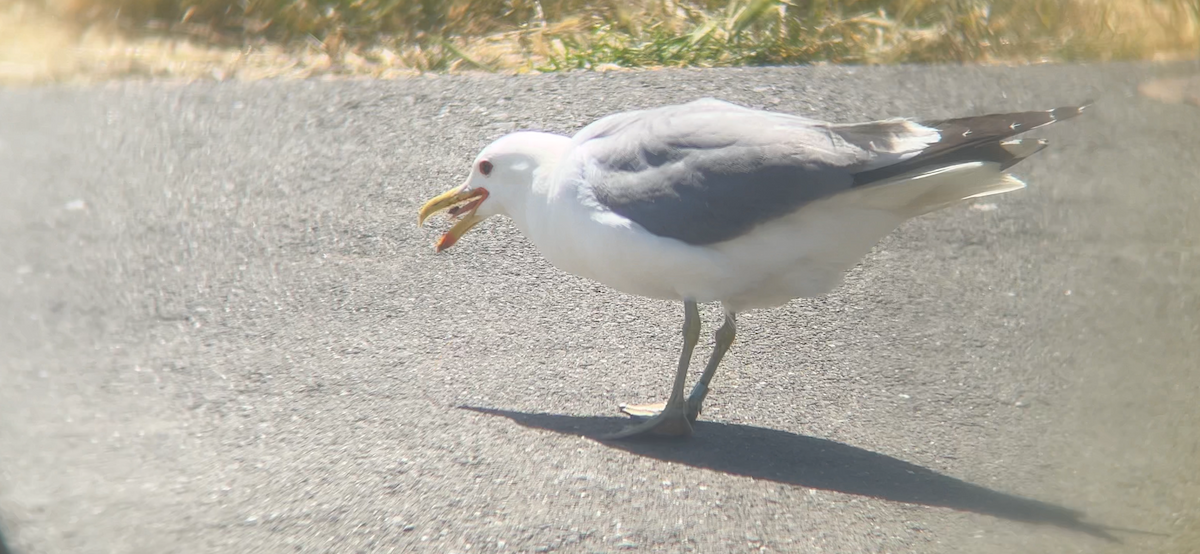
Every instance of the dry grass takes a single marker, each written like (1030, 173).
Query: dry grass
(63, 39)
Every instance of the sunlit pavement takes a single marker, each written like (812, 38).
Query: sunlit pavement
(221, 331)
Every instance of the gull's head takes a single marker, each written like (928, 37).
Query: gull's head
(502, 176)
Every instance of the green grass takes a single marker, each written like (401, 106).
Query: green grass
(571, 34)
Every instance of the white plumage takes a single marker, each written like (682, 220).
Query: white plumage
(713, 202)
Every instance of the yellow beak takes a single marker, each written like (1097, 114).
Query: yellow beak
(462, 203)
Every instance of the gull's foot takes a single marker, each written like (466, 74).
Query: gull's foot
(667, 423)
(657, 419)
(644, 411)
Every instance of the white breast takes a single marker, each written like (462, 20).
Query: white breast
(579, 237)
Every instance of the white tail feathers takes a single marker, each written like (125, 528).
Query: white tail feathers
(921, 192)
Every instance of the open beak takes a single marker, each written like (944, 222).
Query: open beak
(461, 203)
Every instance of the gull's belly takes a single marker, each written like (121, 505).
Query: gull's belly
(802, 255)
(632, 260)
(636, 262)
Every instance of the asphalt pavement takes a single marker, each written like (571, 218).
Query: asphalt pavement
(222, 331)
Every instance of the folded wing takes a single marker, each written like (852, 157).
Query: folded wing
(710, 171)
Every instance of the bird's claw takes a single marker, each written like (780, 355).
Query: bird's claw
(643, 411)
(670, 424)
(646, 411)
(657, 419)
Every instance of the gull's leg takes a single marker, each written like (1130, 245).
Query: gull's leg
(724, 339)
(673, 419)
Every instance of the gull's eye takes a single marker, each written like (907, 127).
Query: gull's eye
(485, 167)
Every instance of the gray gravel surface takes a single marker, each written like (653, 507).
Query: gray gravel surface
(221, 331)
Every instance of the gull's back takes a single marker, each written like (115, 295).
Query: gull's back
(816, 196)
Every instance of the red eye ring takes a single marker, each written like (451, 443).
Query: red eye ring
(485, 167)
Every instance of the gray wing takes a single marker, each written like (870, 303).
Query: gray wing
(709, 171)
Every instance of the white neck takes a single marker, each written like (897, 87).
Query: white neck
(559, 214)
(532, 212)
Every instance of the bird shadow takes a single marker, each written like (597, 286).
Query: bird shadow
(3, 545)
(814, 463)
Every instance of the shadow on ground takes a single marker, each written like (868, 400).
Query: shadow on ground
(3, 545)
(815, 463)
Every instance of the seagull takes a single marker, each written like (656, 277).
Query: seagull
(710, 201)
